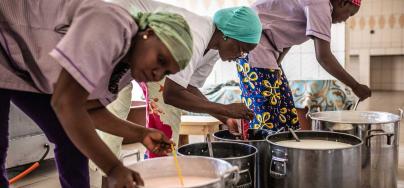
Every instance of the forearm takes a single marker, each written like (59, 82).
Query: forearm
(282, 55)
(180, 97)
(332, 66)
(80, 128)
(107, 122)
(328, 61)
(197, 92)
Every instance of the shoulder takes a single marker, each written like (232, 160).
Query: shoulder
(105, 14)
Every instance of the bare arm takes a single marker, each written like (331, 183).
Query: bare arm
(328, 61)
(191, 99)
(80, 117)
(198, 93)
(282, 55)
(70, 104)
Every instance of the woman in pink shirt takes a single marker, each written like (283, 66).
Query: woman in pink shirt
(96, 49)
(265, 89)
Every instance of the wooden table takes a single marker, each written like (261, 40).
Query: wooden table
(197, 125)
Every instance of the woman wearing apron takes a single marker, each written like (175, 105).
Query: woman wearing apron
(265, 89)
(232, 33)
(63, 61)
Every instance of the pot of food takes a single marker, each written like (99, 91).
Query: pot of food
(380, 134)
(241, 155)
(256, 138)
(197, 172)
(319, 160)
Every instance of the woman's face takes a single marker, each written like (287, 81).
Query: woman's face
(150, 59)
(231, 49)
(342, 10)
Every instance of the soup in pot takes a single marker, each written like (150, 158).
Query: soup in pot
(173, 181)
(313, 144)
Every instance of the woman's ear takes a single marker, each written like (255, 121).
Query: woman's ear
(343, 3)
(149, 31)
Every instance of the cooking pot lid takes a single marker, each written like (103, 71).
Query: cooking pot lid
(355, 117)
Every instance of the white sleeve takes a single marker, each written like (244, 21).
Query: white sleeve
(183, 77)
(200, 75)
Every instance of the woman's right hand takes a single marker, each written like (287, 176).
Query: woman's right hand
(362, 91)
(238, 111)
(122, 177)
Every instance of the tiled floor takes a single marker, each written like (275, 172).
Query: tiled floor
(46, 177)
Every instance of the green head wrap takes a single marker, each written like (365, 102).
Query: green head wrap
(240, 23)
(172, 30)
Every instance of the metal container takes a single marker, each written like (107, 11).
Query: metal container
(226, 174)
(315, 168)
(240, 155)
(256, 138)
(380, 133)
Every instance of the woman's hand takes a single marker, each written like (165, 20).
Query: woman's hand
(156, 142)
(362, 91)
(122, 177)
(233, 126)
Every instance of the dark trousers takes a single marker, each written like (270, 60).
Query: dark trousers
(72, 165)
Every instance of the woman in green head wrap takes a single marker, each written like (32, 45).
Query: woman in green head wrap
(238, 31)
(63, 77)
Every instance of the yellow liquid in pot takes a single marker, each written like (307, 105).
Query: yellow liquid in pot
(173, 181)
(313, 144)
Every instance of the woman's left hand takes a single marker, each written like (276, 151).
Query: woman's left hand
(156, 142)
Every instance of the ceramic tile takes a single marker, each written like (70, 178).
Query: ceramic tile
(397, 37)
(354, 38)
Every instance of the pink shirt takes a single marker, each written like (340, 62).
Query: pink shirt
(286, 23)
(87, 38)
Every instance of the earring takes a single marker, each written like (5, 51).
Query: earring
(224, 37)
(145, 36)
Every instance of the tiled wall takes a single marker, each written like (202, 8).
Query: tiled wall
(387, 72)
(377, 31)
(379, 25)
(353, 66)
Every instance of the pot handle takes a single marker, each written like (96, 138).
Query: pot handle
(400, 111)
(277, 168)
(382, 133)
(235, 171)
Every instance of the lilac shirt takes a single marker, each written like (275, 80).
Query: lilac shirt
(286, 23)
(87, 38)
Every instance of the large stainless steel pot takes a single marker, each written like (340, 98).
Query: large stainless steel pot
(256, 138)
(240, 155)
(380, 133)
(226, 174)
(315, 168)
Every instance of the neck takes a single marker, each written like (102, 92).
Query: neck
(214, 41)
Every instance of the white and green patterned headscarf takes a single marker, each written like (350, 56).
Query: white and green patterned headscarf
(172, 30)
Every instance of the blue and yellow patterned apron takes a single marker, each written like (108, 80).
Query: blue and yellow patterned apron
(267, 93)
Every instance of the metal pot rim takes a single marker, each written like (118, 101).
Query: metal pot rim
(223, 174)
(237, 141)
(306, 149)
(227, 158)
(314, 116)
